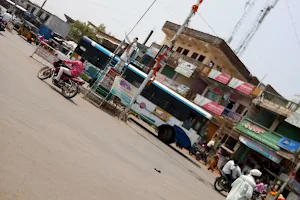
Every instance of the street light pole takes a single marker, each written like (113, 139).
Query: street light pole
(172, 43)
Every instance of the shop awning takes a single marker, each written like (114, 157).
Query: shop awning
(286, 155)
(259, 133)
(260, 149)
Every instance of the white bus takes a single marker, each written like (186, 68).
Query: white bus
(175, 118)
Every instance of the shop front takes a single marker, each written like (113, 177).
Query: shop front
(258, 149)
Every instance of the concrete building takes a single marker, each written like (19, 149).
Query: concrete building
(213, 83)
(270, 140)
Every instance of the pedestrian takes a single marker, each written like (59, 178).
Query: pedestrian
(243, 187)
(213, 163)
(210, 145)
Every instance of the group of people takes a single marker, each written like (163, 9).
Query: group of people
(242, 186)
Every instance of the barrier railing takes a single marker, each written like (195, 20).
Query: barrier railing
(232, 115)
(47, 55)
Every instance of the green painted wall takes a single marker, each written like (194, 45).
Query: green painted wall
(287, 130)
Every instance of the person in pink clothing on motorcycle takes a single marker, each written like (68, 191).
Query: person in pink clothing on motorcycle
(76, 70)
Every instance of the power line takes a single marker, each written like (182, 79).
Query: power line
(291, 17)
(207, 24)
(142, 17)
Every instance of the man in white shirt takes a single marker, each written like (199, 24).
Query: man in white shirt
(6, 17)
(236, 172)
(228, 170)
(210, 145)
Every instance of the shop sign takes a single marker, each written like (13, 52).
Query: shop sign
(241, 86)
(219, 76)
(152, 52)
(123, 89)
(289, 144)
(258, 133)
(260, 149)
(209, 104)
(185, 68)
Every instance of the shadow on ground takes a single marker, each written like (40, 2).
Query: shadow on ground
(56, 89)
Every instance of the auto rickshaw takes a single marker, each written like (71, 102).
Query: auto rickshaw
(29, 31)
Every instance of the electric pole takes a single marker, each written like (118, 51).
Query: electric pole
(157, 65)
(40, 9)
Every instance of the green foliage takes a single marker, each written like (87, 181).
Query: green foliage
(79, 29)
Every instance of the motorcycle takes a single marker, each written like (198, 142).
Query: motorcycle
(222, 183)
(258, 196)
(3, 25)
(201, 154)
(68, 84)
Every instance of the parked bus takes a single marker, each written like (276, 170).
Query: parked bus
(174, 117)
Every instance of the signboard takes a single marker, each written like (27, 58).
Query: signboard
(185, 68)
(260, 134)
(289, 144)
(160, 113)
(209, 104)
(260, 149)
(219, 76)
(123, 89)
(152, 52)
(241, 86)
(49, 54)
(107, 79)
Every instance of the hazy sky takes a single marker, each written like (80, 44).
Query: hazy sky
(273, 51)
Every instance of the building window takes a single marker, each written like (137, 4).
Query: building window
(168, 71)
(186, 52)
(201, 58)
(47, 17)
(179, 49)
(195, 55)
(213, 96)
(219, 68)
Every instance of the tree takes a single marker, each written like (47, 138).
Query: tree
(79, 29)
(102, 28)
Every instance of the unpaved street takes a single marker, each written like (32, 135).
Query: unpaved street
(52, 148)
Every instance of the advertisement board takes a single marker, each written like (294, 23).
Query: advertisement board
(123, 89)
(289, 144)
(209, 105)
(162, 114)
(185, 68)
(49, 54)
(258, 133)
(260, 149)
(219, 76)
(241, 86)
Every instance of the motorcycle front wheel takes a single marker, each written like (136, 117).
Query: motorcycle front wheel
(44, 73)
(218, 184)
(70, 90)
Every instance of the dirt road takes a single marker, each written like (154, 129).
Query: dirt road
(52, 148)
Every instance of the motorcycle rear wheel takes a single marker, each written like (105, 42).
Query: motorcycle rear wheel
(218, 183)
(44, 73)
(70, 91)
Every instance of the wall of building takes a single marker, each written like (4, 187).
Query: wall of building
(265, 118)
(287, 130)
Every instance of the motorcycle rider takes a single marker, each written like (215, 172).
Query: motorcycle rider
(228, 170)
(76, 69)
(243, 187)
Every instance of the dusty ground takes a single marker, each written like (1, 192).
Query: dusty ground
(52, 148)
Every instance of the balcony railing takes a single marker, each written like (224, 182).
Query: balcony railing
(232, 115)
(276, 103)
(175, 55)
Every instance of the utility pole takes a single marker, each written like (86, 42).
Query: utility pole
(40, 9)
(296, 160)
(172, 43)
